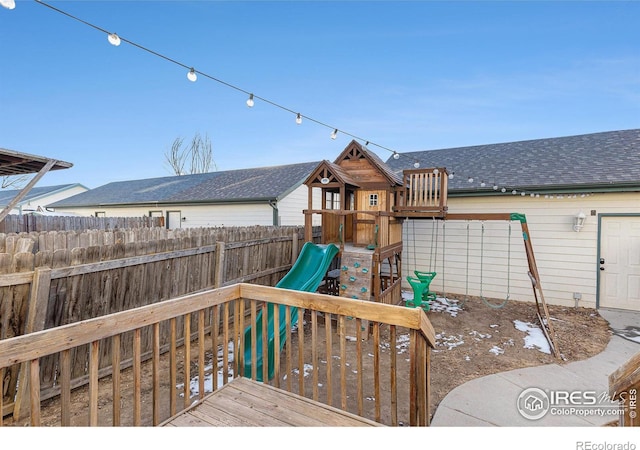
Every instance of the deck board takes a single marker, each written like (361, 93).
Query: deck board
(244, 402)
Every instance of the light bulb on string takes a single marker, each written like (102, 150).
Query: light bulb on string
(495, 187)
(483, 184)
(416, 164)
(503, 190)
(522, 194)
(192, 76)
(114, 39)
(470, 180)
(451, 175)
(436, 171)
(514, 192)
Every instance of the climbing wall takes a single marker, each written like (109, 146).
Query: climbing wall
(355, 274)
(355, 282)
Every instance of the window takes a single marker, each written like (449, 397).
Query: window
(373, 199)
(332, 200)
(101, 214)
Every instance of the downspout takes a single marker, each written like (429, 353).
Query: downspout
(274, 205)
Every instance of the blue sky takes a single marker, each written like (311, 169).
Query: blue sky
(415, 75)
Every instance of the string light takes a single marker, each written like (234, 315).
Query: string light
(114, 39)
(192, 75)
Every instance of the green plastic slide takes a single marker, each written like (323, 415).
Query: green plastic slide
(305, 275)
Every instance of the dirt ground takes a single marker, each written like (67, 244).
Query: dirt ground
(478, 340)
(472, 341)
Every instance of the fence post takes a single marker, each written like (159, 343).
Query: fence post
(218, 276)
(294, 247)
(35, 320)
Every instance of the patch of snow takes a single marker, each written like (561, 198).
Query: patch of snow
(351, 338)
(496, 350)
(402, 343)
(450, 342)
(535, 338)
(307, 369)
(441, 304)
(478, 336)
(494, 326)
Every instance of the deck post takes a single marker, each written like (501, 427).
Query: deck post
(36, 315)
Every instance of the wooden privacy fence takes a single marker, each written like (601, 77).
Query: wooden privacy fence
(15, 223)
(344, 370)
(62, 283)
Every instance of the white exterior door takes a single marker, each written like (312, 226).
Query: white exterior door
(620, 263)
(173, 219)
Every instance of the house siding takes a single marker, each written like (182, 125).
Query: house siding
(216, 215)
(290, 208)
(43, 201)
(567, 260)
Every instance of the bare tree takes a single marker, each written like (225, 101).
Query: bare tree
(189, 159)
(14, 181)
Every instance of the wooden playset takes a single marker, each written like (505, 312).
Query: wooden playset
(364, 205)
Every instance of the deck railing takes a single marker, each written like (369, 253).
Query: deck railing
(364, 357)
(423, 191)
(624, 385)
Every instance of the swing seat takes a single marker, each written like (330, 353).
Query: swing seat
(426, 278)
(419, 288)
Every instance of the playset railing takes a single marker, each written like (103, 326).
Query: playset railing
(423, 191)
(340, 352)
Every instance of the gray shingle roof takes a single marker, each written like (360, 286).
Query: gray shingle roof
(599, 160)
(36, 192)
(257, 184)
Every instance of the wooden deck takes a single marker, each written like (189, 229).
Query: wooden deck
(247, 403)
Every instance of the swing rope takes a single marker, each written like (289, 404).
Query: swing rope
(444, 254)
(484, 300)
(433, 254)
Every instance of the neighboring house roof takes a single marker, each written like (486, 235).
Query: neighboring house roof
(35, 193)
(597, 162)
(243, 185)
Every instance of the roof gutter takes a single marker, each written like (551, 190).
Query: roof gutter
(178, 202)
(596, 188)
